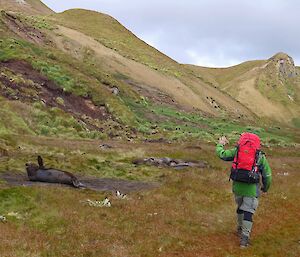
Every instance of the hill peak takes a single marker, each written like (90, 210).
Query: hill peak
(281, 56)
(284, 64)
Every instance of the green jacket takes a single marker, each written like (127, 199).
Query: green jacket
(244, 189)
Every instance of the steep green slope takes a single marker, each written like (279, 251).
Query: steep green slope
(137, 67)
(47, 82)
(145, 67)
(47, 92)
(113, 35)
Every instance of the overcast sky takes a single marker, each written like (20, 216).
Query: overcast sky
(213, 33)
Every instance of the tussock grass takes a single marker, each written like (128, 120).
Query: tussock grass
(170, 123)
(73, 76)
(10, 121)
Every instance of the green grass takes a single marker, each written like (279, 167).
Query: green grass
(38, 22)
(61, 78)
(39, 120)
(10, 121)
(77, 78)
(178, 216)
(178, 125)
(191, 210)
(55, 122)
(127, 108)
(296, 122)
(273, 90)
(32, 7)
(83, 157)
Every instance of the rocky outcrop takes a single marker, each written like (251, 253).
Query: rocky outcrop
(284, 65)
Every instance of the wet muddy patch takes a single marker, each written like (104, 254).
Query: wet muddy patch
(92, 183)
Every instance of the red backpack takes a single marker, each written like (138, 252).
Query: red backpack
(245, 163)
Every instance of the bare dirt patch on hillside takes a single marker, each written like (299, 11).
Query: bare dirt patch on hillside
(243, 88)
(36, 87)
(249, 95)
(24, 31)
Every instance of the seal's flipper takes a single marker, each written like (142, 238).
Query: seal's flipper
(77, 184)
(40, 162)
(81, 185)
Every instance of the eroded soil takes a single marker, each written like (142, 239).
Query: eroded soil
(36, 87)
(24, 31)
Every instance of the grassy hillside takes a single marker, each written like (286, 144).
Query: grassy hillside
(37, 75)
(159, 74)
(39, 85)
(269, 88)
(220, 76)
(100, 40)
(198, 84)
(113, 35)
(44, 79)
(280, 80)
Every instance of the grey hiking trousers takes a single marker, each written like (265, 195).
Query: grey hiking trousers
(246, 203)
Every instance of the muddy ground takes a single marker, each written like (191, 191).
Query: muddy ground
(93, 183)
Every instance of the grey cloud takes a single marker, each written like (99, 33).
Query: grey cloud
(215, 32)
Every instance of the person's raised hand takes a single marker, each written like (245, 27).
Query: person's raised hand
(223, 140)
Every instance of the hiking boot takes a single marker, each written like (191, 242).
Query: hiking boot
(244, 241)
(246, 231)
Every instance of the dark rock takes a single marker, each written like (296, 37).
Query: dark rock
(169, 162)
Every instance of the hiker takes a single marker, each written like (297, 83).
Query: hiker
(251, 174)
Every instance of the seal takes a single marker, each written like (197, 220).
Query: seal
(41, 174)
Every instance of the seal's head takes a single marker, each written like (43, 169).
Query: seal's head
(31, 169)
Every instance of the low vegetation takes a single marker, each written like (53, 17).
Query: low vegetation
(64, 109)
(178, 216)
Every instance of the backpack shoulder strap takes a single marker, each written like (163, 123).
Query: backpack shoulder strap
(258, 156)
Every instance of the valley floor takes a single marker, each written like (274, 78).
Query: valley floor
(191, 213)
